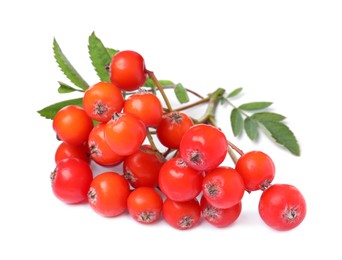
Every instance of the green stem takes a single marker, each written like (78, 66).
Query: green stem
(214, 99)
(232, 155)
(160, 88)
(209, 117)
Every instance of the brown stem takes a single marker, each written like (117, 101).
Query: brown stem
(188, 90)
(160, 88)
(154, 147)
(204, 100)
(238, 150)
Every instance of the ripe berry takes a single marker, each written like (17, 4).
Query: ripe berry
(257, 170)
(178, 181)
(72, 125)
(145, 205)
(125, 133)
(102, 100)
(172, 127)
(142, 168)
(146, 106)
(108, 194)
(282, 207)
(127, 70)
(182, 215)
(65, 150)
(223, 187)
(71, 180)
(203, 147)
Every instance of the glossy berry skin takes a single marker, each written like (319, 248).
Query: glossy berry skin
(223, 187)
(282, 207)
(257, 170)
(182, 215)
(142, 168)
(65, 151)
(203, 147)
(108, 194)
(127, 70)
(100, 151)
(220, 217)
(71, 180)
(72, 125)
(125, 133)
(172, 127)
(145, 205)
(146, 106)
(102, 100)
(178, 181)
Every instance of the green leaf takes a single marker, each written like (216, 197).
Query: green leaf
(251, 128)
(234, 92)
(49, 112)
(268, 116)
(99, 56)
(64, 88)
(112, 52)
(181, 93)
(165, 82)
(282, 135)
(67, 68)
(236, 121)
(255, 105)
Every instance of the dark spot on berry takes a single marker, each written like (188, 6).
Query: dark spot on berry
(175, 118)
(186, 222)
(213, 190)
(265, 185)
(147, 217)
(290, 214)
(100, 109)
(129, 176)
(92, 195)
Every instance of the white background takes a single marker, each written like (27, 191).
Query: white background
(288, 52)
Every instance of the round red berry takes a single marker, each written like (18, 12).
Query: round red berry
(282, 207)
(203, 147)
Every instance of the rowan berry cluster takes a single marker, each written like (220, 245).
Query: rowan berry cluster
(118, 124)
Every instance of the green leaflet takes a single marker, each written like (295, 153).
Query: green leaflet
(164, 82)
(269, 116)
(236, 122)
(65, 88)
(67, 68)
(282, 135)
(234, 93)
(255, 105)
(181, 93)
(49, 112)
(100, 57)
(251, 128)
